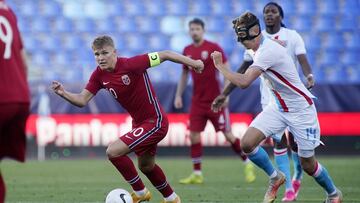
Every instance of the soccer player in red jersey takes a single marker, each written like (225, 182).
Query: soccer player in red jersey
(127, 81)
(14, 91)
(200, 111)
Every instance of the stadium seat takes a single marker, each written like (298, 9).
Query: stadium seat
(158, 42)
(325, 23)
(62, 58)
(63, 24)
(72, 42)
(148, 25)
(30, 43)
(135, 42)
(40, 25)
(348, 23)
(134, 8)
(40, 57)
(50, 9)
(120, 42)
(241, 6)
(105, 26)
(28, 9)
(50, 43)
(330, 57)
(227, 42)
(85, 25)
(216, 24)
(126, 24)
(351, 58)
(302, 23)
(329, 7)
(332, 73)
(179, 41)
(156, 8)
(307, 7)
(333, 41)
(83, 56)
(23, 24)
(171, 25)
(350, 7)
(114, 8)
(289, 7)
(221, 8)
(200, 8)
(178, 7)
(312, 41)
(352, 73)
(353, 43)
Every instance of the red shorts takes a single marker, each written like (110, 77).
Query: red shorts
(200, 115)
(144, 137)
(12, 130)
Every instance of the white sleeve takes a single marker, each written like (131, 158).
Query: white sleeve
(248, 56)
(264, 59)
(299, 46)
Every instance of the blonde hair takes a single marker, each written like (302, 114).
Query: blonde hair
(101, 41)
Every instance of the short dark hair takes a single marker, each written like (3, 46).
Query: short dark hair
(101, 41)
(197, 21)
(244, 20)
(281, 11)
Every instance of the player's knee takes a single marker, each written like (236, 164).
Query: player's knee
(280, 145)
(246, 146)
(308, 165)
(146, 167)
(294, 146)
(113, 152)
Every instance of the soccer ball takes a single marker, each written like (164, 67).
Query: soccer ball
(118, 196)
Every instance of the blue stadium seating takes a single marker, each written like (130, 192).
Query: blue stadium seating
(63, 24)
(54, 31)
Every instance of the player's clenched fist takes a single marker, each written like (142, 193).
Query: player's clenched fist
(218, 103)
(217, 58)
(57, 88)
(198, 66)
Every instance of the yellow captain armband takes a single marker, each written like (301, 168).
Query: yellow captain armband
(154, 59)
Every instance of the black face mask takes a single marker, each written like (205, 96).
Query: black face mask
(243, 32)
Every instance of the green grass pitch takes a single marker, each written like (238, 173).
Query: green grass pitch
(91, 180)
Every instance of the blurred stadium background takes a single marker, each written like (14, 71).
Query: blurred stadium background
(58, 33)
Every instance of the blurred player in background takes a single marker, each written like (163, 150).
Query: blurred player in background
(200, 111)
(14, 91)
(127, 81)
(276, 30)
(294, 108)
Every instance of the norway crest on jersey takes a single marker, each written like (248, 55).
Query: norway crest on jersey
(204, 55)
(125, 79)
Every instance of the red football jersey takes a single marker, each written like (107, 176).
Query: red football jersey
(207, 85)
(13, 82)
(129, 84)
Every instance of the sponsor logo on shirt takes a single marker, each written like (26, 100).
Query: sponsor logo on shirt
(125, 79)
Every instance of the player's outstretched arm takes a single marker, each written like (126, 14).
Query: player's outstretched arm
(221, 100)
(180, 88)
(240, 80)
(79, 100)
(307, 71)
(197, 65)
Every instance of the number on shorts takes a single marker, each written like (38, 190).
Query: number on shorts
(311, 132)
(137, 131)
(6, 37)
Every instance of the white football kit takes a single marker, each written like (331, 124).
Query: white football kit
(294, 44)
(293, 105)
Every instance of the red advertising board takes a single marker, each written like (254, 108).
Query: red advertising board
(99, 130)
